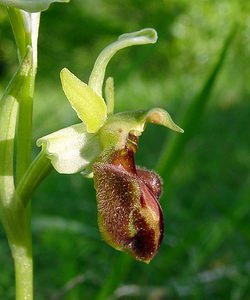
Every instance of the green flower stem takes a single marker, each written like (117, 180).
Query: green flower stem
(23, 273)
(24, 133)
(37, 171)
(25, 28)
(18, 98)
(17, 226)
(14, 217)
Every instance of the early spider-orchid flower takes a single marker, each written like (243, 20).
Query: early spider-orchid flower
(103, 146)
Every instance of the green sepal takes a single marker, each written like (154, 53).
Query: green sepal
(114, 133)
(30, 5)
(71, 149)
(89, 106)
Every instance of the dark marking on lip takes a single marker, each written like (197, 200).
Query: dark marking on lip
(143, 243)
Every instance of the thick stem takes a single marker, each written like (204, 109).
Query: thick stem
(15, 216)
(23, 263)
(24, 134)
(23, 275)
(21, 242)
(25, 28)
(16, 222)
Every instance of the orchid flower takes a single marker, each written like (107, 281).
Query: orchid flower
(102, 146)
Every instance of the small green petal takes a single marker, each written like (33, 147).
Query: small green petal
(141, 37)
(30, 5)
(71, 149)
(90, 107)
(110, 95)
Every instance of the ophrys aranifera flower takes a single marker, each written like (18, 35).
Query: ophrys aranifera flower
(103, 146)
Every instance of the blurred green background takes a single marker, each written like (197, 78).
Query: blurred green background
(205, 253)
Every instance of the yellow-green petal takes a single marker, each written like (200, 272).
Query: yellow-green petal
(89, 106)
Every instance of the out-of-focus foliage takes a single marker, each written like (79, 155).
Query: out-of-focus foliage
(205, 252)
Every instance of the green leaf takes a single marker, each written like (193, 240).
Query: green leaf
(9, 104)
(71, 149)
(90, 107)
(142, 37)
(30, 5)
(25, 27)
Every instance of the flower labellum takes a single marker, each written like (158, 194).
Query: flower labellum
(129, 215)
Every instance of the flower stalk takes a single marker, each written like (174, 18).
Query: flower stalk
(14, 217)
(25, 27)
(17, 183)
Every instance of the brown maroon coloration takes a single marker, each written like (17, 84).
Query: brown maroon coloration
(129, 215)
